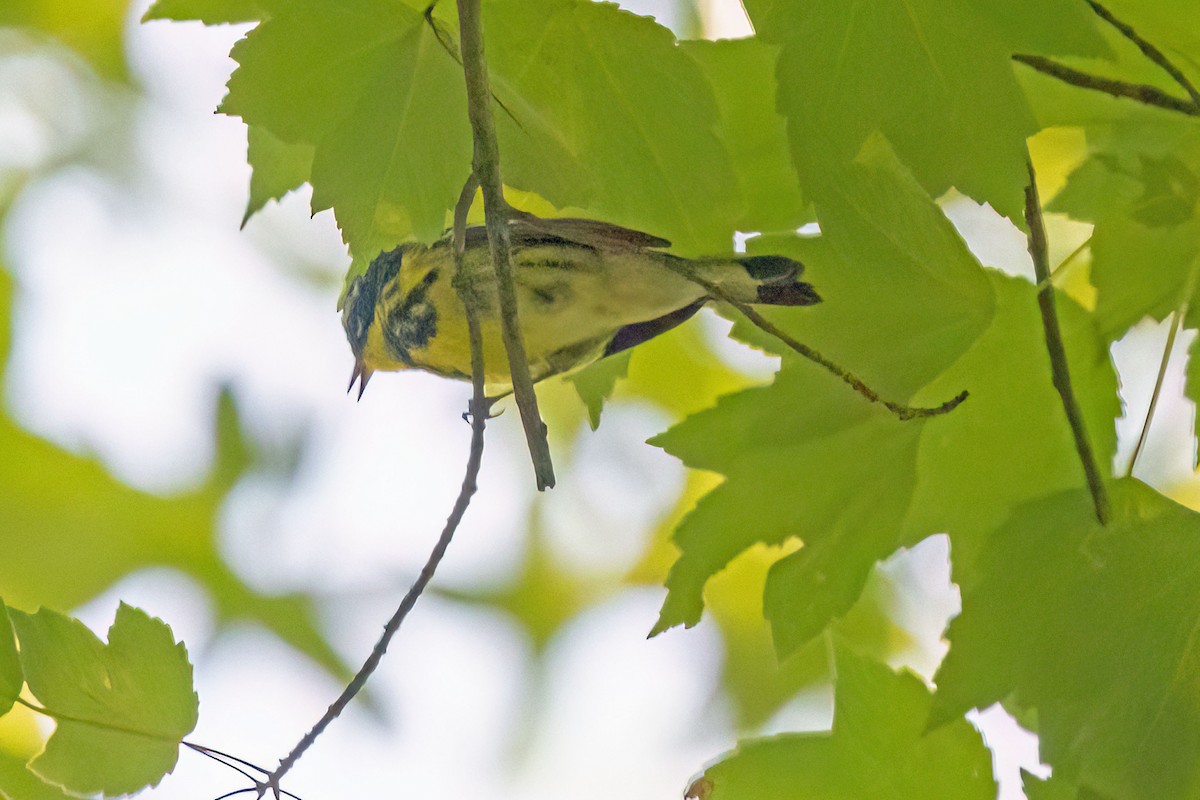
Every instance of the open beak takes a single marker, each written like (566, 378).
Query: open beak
(361, 371)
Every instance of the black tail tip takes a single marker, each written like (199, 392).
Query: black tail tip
(771, 268)
(796, 293)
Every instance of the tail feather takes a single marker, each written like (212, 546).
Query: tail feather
(796, 293)
(776, 283)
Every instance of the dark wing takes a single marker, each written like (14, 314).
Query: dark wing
(528, 230)
(638, 332)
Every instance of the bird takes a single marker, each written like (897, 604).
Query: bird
(586, 289)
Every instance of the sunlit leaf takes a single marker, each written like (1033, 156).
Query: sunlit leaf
(121, 708)
(278, 167)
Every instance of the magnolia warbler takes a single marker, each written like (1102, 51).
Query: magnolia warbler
(585, 289)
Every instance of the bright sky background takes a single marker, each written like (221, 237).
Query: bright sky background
(139, 294)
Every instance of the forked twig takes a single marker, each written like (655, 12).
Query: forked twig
(1141, 92)
(1148, 50)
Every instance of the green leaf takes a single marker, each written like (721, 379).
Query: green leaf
(92, 28)
(1094, 628)
(369, 84)
(595, 384)
(279, 167)
(877, 749)
(210, 12)
(378, 92)
(1141, 188)
(121, 709)
(742, 74)
(935, 79)
(11, 676)
(18, 783)
(1193, 376)
(586, 126)
(797, 453)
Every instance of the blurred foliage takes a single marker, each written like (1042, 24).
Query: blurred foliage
(92, 28)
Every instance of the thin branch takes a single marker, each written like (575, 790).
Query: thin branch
(902, 411)
(486, 163)
(479, 416)
(1176, 324)
(1148, 50)
(1059, 370)
(1141, 92)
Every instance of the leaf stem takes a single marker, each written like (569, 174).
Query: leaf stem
(479, 417)
(1060, 373)
(486, 165)
(901, 411)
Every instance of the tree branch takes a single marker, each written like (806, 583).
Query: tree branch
(1141, 92)
(901, 411)
(479, 417)
(1060, 373)
(486, 164)
(1149, 51)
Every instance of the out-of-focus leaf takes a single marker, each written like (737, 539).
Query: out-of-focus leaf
(542, 597)
(93, 28)
(278, 168)
(11, 676)
(69, 530)
(936, 80)
(1094, 628)
(121, 709)
(595, 384)
(210, 12)
(877, 749)
(757, 682)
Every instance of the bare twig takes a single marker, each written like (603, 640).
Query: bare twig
(1148, 50)
(1141, 92)
(1176, 324)
(479, 416)
(1059, 370)
(1180, 314)
(486, 164)
(901, 411)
